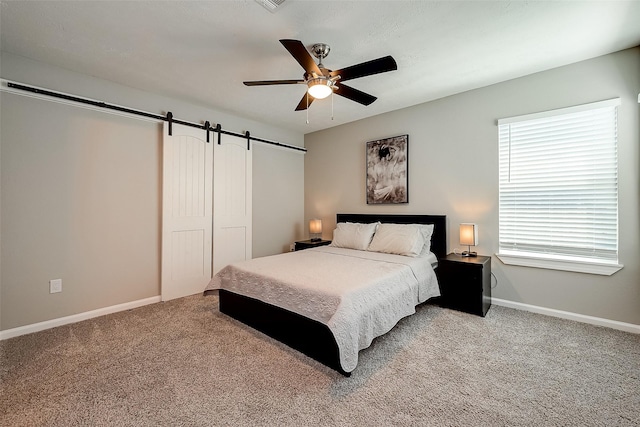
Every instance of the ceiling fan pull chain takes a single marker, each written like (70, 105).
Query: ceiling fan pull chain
(307, 96)
(332, 104)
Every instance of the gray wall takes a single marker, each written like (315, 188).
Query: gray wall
(81, 194)
(453, 170)
(278, 194)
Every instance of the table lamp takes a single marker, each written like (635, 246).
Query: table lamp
(469, 237)
(315, 230)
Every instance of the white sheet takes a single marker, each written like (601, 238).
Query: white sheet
(359, 295)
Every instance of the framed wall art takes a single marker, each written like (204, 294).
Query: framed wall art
(387, 170)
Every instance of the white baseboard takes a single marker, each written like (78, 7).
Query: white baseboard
(598, 321)
(41, 326)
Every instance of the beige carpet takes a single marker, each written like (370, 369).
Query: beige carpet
(182, 363)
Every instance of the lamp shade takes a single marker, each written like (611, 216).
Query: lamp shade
(315, 226)
(468, 234)
(320, 88)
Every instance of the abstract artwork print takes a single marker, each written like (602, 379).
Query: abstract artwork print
(387, 170)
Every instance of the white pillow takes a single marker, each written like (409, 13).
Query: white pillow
(400, 239)
(427, 231)
(353, 235)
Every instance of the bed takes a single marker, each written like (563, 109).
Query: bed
(330, 302)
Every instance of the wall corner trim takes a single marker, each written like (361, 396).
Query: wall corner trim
(597, 321)
(48, 324)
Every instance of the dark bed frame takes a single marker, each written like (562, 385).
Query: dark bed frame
(308, 336)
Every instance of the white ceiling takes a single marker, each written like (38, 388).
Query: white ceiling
(202, 51)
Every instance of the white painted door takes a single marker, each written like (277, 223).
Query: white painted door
(186, 212)
(231, 201)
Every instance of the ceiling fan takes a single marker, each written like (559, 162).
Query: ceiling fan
(321, 81)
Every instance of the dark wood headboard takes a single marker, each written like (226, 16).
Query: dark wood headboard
(438, 238)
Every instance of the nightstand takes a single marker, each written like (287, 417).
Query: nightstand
(465, 283)
(306, 244)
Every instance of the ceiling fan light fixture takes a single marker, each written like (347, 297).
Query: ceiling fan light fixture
(320, 88)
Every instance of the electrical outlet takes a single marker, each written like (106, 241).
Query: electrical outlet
(292, 247)
(55, 286)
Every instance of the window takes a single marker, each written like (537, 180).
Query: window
(559, 189)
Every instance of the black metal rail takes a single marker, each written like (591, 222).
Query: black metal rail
(168, 118)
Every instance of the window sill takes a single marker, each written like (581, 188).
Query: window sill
(590, 267)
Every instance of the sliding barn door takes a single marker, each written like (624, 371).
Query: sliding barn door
(232, 202)
(186, 212)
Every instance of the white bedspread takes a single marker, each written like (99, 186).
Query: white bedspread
(359, 295)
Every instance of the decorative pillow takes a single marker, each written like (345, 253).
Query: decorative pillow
(400, 239)
(353, 235)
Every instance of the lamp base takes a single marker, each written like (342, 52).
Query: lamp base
(469, 253)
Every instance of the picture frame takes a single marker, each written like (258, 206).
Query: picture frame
(388, 170)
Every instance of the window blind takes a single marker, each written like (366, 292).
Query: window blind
(559, 183)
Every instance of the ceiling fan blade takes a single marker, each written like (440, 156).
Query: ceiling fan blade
(354, 94)
(375, 66)
(302, 55)
(302, 105)
(272, 82)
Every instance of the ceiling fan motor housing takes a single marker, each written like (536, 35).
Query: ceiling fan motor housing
(320, 50)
